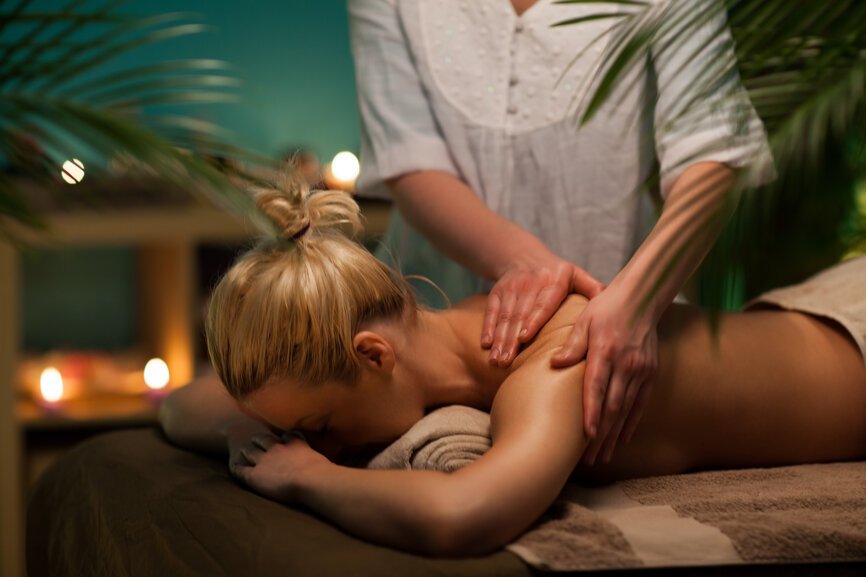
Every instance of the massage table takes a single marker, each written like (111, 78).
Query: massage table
(131, 504)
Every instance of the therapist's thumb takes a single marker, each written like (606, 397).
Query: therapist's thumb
(584, 283)
(575, 347)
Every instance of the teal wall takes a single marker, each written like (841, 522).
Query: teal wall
(294, 61)
(78, 299)
(293, 58)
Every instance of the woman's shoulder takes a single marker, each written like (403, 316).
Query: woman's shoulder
(567, 313)
(549, 337)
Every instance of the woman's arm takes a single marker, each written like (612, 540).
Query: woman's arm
(536, 443)
(203, 417)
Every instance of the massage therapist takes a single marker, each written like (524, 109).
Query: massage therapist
(469, 113)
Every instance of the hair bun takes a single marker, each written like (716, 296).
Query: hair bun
(297, 213)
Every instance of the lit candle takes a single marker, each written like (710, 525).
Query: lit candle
(51, 385)
(345, 168)
(156, 375)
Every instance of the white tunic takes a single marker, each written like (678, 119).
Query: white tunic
(469, 88)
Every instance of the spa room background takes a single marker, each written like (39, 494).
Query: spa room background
(136, 279)
(94, 292)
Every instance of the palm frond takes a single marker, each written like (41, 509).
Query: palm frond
(60, 97)
(802, 64)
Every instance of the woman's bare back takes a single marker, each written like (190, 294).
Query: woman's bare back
(763, 388)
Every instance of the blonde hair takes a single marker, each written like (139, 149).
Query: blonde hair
(291, 306)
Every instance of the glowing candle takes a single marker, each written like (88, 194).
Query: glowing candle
(345, 167)
(156, 375)
(51, 385)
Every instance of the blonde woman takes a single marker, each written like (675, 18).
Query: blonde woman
(309, 332)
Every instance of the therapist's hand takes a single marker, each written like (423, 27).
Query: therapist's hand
(524, 298)
(621, 350)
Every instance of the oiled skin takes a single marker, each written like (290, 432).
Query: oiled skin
(764, 388)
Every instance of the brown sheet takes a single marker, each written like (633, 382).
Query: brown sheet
(129, 503)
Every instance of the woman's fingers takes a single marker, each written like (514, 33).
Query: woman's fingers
(252, 455)
(239, 470)
(264, 441)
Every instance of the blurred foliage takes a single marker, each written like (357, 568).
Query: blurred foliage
(60, 98)
(803, 65)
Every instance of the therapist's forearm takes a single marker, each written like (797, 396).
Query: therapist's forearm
(697, 209)
(446, 211)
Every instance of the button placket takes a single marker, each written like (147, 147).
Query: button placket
(512, 109)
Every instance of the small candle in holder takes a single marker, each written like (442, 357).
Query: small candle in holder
(156, 375)
(51, 385)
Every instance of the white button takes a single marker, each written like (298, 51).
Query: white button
(513, 80)
(512, 109)
(518, 27)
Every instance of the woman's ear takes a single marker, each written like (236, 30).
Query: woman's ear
(374, 352)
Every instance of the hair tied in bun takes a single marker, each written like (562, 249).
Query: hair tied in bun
(300, 233)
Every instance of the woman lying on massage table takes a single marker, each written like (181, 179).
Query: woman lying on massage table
(309, 332)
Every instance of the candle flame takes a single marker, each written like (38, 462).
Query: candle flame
(345, 167)
(51, 385)
(156, 375)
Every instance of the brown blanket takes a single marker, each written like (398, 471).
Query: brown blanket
(130, 504)
(808, 513)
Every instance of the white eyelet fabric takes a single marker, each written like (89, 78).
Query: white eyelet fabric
(529, 79)
(470, 88)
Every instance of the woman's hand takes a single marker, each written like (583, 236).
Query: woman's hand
(271, 465)
(621, 349)
(524, 298)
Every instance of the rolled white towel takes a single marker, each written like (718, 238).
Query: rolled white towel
(444, 440)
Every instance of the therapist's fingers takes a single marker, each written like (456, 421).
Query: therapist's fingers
(491, 316)
(611, 404)
(510, 344)
(503, 326)
(634, 417)
(546, 303)
(596, 380)
(615, 435)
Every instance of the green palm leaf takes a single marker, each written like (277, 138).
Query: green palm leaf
(58, 93)
(803, 66)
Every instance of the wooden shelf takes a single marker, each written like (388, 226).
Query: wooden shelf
(91, 413)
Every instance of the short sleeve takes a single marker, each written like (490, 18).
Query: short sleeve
(723, 126)
(399, 133)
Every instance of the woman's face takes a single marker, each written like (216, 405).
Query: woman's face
(339, 420)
